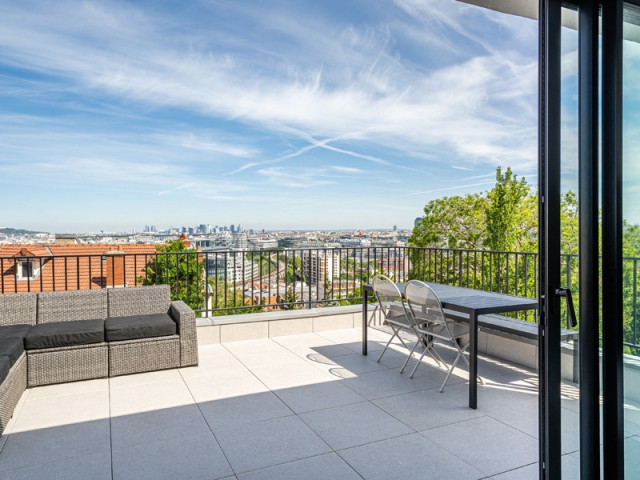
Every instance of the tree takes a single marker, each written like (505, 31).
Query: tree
(503, 218)
(180, 268)
(452, 222)
(510, 214)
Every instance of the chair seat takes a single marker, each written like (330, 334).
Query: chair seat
(457, 330)
(5, 366)
(12, 348)
(139, 326)
(400, 320)
(64, 334)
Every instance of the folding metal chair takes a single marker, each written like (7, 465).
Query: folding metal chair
(393, 309)
(430, 323)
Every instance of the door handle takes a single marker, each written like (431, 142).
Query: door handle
(571, 317)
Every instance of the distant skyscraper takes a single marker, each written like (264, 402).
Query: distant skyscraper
(233, 228)
(395, 228)
(417, 221)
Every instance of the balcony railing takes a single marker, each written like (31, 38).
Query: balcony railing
(242, 281)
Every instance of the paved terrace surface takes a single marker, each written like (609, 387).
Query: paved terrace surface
(301, 407)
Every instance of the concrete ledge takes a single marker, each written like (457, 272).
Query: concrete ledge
(230, 328)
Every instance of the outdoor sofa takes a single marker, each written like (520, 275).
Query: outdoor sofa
(57, 337)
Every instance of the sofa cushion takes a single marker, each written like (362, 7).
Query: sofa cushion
(64, 334)
(11, 347)
(5, 366)
(139, 326)
(19, 330)
(71, 305)
(127, 302)
(18, 308)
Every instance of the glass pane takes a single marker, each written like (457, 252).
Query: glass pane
(569, 243)
(631, 237)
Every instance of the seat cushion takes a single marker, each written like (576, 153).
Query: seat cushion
(5, 366)
(11, 347)
(18, 330)
(139, 326)
(64, 334)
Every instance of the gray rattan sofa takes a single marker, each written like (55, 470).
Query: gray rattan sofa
(57, 337)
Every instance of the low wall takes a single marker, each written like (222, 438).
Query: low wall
(510, 347)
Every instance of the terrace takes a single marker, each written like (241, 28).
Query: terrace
(294, 406)
(287, 393)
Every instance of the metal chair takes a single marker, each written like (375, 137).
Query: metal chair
(393, 309)
(430, 323)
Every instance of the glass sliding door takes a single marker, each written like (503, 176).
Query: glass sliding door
(570, 299)
(602, 388)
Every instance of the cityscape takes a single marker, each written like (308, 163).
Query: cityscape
(214, 237)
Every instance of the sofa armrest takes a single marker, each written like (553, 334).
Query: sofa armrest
(185, 319)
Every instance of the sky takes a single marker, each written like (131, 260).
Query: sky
(335, 114)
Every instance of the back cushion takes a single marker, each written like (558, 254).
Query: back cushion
(18, 308)
(72, 305)
(126, 302)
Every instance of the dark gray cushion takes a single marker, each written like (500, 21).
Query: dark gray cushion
(64, 334)
(5, 366)
(138, 326)
(18, 330)
(12, 348)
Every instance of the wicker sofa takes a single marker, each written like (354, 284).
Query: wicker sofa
(57, 337)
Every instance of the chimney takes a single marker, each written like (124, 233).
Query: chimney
(115, 268)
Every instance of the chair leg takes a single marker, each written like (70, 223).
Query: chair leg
(453, 366)
(409, 356)
(396, 333)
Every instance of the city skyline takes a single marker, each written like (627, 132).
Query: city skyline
(291, 115)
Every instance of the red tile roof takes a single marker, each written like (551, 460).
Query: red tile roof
(70, 267)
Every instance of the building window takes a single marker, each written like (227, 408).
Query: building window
(28, 270)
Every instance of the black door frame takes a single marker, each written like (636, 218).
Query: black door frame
(549, 237)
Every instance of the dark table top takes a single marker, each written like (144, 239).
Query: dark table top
(478, 302)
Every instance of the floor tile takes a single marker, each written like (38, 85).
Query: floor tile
(356, 424)
(94, 467)
(41, 412)
(268, 443)
(162, 424)
(195, 457)
(409, 456)
(227, 412)
(216, 386)
(322, 467)
(132, 398)
(317, 396)
(46, 445)
(483, 443)
(428, 408)
(390, 382)
(311, 343)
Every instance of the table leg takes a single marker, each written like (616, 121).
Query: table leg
(473, 361)
(365, 301)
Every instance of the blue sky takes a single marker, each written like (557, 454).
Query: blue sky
(281, 114)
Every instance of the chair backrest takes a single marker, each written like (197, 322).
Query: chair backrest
(388, 295)
(424, 304)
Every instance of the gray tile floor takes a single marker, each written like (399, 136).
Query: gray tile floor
(304, 406)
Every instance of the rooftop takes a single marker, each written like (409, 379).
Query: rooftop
(298, 406)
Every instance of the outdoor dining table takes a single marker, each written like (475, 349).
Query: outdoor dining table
(471, 303)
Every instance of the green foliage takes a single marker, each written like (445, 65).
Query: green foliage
(181, 269)
(508, 213)
(225, 299)
(452, 222)
(502, 219)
